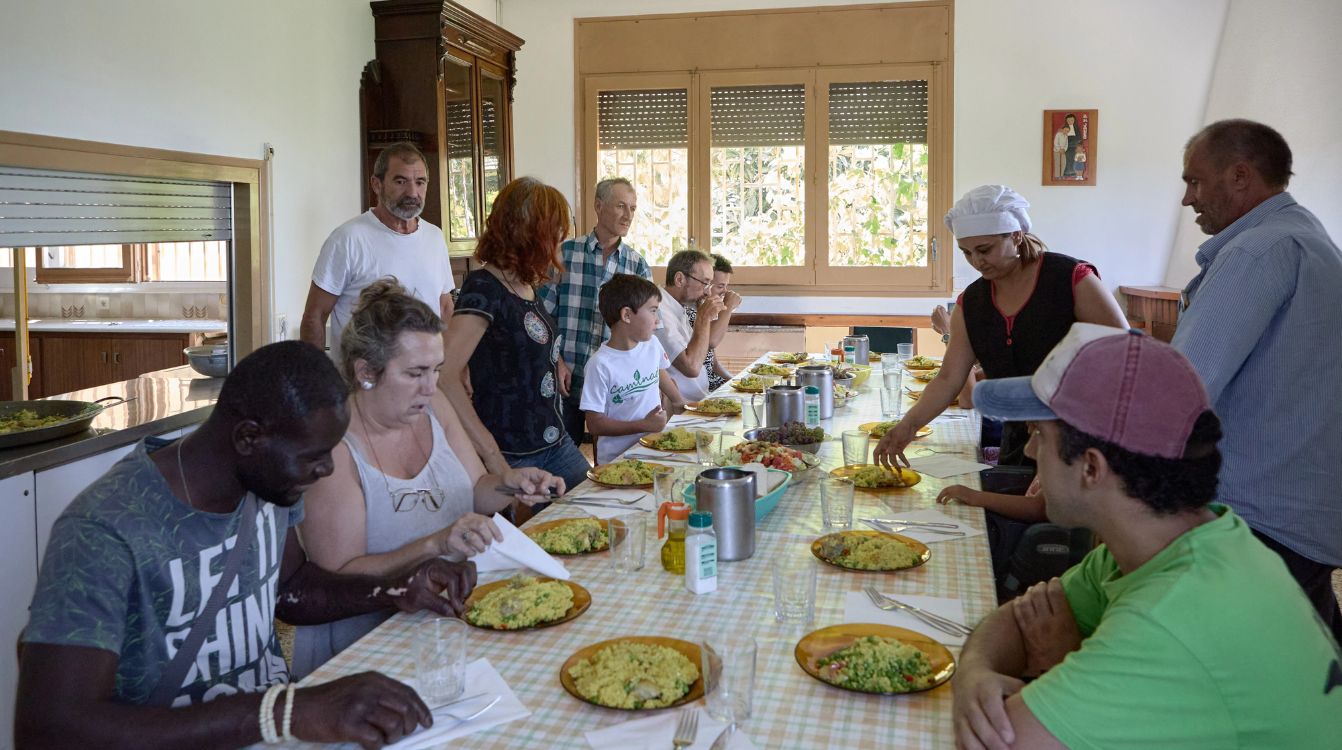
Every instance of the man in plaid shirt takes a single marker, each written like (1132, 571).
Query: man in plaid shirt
(589, 262)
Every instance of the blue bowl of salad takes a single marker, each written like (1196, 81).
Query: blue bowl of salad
(764, 504)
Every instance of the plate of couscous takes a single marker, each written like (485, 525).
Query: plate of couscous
(525, 603)
(874, 658)
(570, 536)
(635, 673)
(870, 550)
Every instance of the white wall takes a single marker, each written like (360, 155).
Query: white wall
(1145, 64)
(208, 77)
(1280, 64)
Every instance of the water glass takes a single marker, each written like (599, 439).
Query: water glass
(891, 402)
(440, 666)
(666, 487)
(707, 444)
(628, 535)
(893, 373)
(855, 447)
(836, 503)
(728, 664)
(794, 590)
(904, 351)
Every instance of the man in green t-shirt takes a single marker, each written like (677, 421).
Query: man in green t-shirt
(1182, 630)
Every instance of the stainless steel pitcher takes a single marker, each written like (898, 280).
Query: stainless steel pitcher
(729, 494)
(822, 377)
(861, 348)
(785, 403)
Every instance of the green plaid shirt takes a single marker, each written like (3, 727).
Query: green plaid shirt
(572, 299)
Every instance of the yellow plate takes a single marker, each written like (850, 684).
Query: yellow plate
(788, 358)
(923, 552)
(736, 386)
(909, 476)
(870, 427)
(787, 370)
(582, 599)
(591, 474)
(650, 441)
(693, 406)
(533, 529)
(926, 376)
(816, 646)
(874, 357)
(689, 650)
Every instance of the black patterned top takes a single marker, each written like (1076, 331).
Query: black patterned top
(513, 368)
(711, 359)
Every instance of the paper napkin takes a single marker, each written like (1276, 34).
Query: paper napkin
(481, 677)
(942, 466)
(928, 516)
(655, 733)
(857, 607)
(517, 551)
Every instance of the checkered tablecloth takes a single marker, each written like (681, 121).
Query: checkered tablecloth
(791, 710)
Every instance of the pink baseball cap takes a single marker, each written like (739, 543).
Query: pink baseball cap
(1113, 384)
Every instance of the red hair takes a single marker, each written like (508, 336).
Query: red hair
(528, 220)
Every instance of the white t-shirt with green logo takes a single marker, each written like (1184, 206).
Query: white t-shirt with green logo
(623, 385)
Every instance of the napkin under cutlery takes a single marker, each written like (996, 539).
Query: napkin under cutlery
(605, 503)
(857, 607)
(942, 466)
(482, 678)
(893, 517)
(655, 733)
(517, 551)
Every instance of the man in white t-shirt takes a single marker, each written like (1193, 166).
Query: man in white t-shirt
(387, 240)
(627, 375)
(689, 278)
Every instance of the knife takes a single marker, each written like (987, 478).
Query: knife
(879, 525)
(725, 738)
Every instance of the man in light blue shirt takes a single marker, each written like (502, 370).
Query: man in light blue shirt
(1260, 324)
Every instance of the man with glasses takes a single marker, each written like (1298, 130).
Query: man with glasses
(689, 281)
(589, 262)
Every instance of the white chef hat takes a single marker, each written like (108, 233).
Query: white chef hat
(989, 209)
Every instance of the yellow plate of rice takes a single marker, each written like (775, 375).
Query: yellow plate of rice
(570, 536)
(875, 658)
(635, 673)
(525, 603)
(870, 550)
(711, 407)
(629, 472)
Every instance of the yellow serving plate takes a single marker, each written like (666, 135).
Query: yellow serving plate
(816, 646)
(582, 600)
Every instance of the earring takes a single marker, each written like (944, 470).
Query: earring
(367, 385)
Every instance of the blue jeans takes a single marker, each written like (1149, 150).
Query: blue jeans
(563, 460)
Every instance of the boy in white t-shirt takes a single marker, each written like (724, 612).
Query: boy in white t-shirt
(626, 377)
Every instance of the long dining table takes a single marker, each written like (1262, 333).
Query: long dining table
(791, 709)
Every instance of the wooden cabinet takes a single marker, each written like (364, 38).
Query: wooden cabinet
(71, 361)
(443, 79)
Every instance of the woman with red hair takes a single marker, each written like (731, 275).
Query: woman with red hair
(501, 330)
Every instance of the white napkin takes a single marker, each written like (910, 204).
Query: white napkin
(765, 481)
(655, 733)
(517, 550)
(857, 607)
(942, 466)
(481, 677)
(648, 502)
(928, 516)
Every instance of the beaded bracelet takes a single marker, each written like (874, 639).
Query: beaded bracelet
(267, 718)
(288, 713)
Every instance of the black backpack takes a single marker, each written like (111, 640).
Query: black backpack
(1024, 554)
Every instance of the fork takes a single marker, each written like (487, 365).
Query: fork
(686, 729)
(888, 528)
(602, 500)
(949, 627)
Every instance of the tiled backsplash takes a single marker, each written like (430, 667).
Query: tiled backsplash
(157, 305)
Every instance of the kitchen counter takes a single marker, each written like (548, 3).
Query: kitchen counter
(156, 403)
(119, 325)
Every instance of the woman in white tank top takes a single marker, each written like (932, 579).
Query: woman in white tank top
(407, 485)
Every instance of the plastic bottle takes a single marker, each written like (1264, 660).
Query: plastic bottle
(673, 552)
(812, 400)
(850, 355)
(701, 554)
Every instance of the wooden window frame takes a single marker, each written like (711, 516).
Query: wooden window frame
(127, 273)
(829, 43)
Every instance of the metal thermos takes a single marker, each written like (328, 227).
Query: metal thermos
(861, 349)
(822, 377)
(729, 494)
(784, 403)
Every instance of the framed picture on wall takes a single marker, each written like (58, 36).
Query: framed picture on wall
(1071, 146)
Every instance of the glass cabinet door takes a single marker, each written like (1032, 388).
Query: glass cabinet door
(493, 122)
(458, 163)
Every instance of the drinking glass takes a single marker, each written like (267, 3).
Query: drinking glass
(441, 664)
(855, 447)
(628, 535)
(794, 590)
(666, 487)
(891, 402)
(728, 662)
(836, 503)
(707, 444)
(903, 351)
(892, 371)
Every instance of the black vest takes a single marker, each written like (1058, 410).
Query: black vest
(1046, 317)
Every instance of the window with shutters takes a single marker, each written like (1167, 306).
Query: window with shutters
(800, 162)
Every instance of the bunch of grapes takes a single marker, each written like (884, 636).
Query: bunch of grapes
(793, 433)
